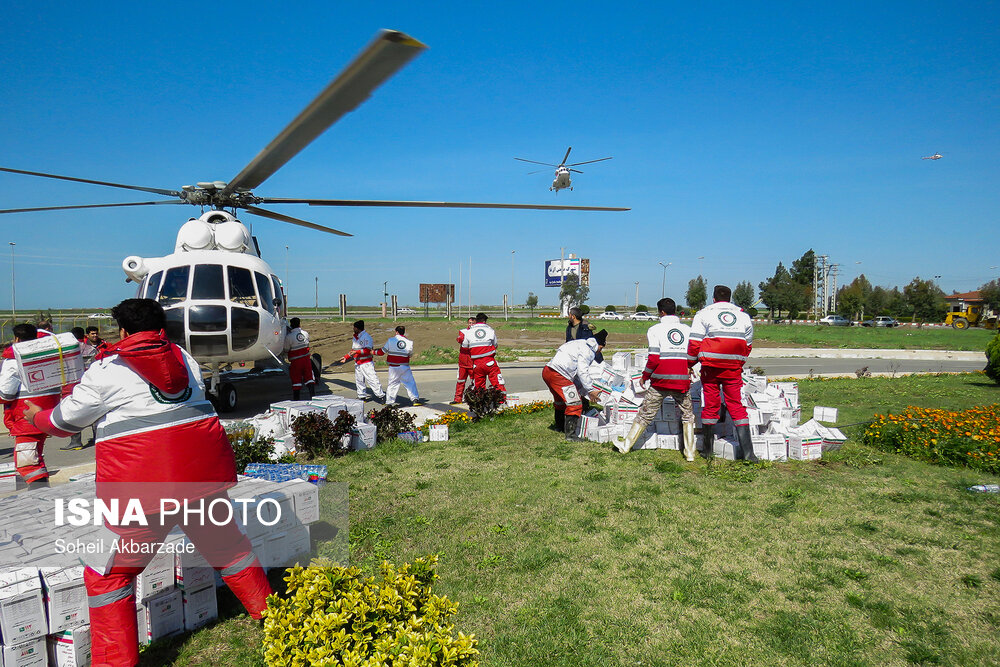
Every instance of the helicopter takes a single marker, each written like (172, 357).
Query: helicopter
(936, 156)
(562, 177)
(223, 302)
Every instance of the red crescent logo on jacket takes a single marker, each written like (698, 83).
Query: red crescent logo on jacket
(675, 336)
(727, 318)
(480, 333)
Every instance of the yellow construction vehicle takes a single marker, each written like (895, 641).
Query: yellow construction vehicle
(974, 315)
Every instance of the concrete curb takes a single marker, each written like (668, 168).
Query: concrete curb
(830, 353)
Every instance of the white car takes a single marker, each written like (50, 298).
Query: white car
(405, 311)
(643, 315)
(610, 315)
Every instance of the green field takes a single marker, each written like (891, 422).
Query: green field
(572, 554)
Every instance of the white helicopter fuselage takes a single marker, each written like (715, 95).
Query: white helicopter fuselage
(562, 180)
(223, 302)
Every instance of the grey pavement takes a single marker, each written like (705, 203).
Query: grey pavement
(437, 384)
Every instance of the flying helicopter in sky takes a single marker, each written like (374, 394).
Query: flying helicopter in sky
(562, 177)
(936, 156)
(223, 302)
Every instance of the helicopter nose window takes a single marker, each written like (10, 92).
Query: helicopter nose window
(175, 285)
(246, 327)
(175, 325)
(152, 285)
(241, 286)
(208, 282)
(264, 288)
(207, 318)
(209, 346)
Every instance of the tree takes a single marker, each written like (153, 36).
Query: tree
(853, 299)
(803, 269)
(697, 294)
(609, 308)
(743, 295)
(878, 300)
(642, 308)
(573, 292)
(925, 300)
(991, 294)
(780, 292)
(531, 302)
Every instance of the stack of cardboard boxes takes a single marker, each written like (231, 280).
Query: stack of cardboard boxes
(44, 617)
(772, 408)
(276, 422)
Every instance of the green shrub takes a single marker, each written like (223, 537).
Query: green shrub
(315, 435)
(249, 449)
(334, 616)
(390, 421)
(484, 402)
(993, 359)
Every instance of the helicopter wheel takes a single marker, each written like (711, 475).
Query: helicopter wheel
(226, 400)
(317, 366)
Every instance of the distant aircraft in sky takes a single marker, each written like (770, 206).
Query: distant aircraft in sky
(936, 156)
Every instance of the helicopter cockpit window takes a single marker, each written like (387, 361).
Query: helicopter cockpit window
(152, 285)
(277, 294)
(264, 288)
(241, 286)
(208, 282)
(175, 285)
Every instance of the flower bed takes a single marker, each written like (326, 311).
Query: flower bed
(969, 437)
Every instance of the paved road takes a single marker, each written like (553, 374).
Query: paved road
(437, 383)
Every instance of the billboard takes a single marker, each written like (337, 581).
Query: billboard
(557, 269)
(437, 293)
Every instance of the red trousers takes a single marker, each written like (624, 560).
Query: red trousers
(301, 371)
(730, 382)
(111, 596)
(464, 374)
(565, 394)
(486, 367)
(28, 457)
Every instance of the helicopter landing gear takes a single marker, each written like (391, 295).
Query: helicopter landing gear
(222, 394)
(317, 365)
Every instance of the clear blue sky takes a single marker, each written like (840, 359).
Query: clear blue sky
(744, 133)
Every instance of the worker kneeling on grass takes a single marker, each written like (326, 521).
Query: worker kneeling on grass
(159, 441)
(568, 378)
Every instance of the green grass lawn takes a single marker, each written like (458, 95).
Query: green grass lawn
(572, 554)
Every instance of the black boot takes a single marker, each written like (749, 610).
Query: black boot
(312, 390)
(39, 484)
(708, 439)
(571, 426)
(746, 443)
(560, 420)
(296, 393)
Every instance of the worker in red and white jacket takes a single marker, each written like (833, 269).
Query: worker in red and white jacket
(668, 375)
(464, 364)
(721, 339)
(397, 352)
(159, 441)
(29, 441)
(568, 378)
(481, 341)
(364, 364)
(299, 359)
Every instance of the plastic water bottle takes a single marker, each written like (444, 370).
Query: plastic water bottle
(985, 488)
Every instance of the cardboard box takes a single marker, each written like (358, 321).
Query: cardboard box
(303, 408)
(281, 409)
(160, 616)
(621, 361)
(834, 439)
(70, 648)
(639, 360)
(274, 516)
(65, 598)
(157, 577)
(672, 427)
(438, 432)
(668, 441)
(298, 544)
(724, 449)
(191, 570)
(200, 606)
(770, 447)
(363, 437)
(48, 362)
(31, 653)
(305, 500)
(804, 448)
(648, 440)
(22, 609)
(588, 427)
(8, 477)
(822, 414)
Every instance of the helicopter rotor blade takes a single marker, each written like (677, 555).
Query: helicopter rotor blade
(577, 171)
(68, 208)
(534, 162)
(155, 191)
(566, 157)
(433, 204)
(264, 213)
(382, 58)
(588, 162)
(537, 171)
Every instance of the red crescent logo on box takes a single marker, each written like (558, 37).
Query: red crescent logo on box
(37, 376)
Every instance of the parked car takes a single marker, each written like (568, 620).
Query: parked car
(881, 321)
(643, 315)
(836, 321)
(610, 315)
(405, 311)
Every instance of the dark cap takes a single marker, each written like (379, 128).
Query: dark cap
(481, 317)
(601, 336)
(360, 324)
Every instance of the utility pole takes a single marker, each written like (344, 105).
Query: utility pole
(511, 304)
(286, 278)
(663, 285)
(562, 277)
(317, 293)
(13, 293)
(636, 297)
